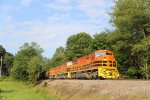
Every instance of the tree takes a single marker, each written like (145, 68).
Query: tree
(132, 17)
(132, 72)
(8, 63)
(2, 53)
(33, 47)
(143, 50)
(132, 22)
(58, 57)
(35, 66)
(101, 41)
(24, 66)
(78, 45)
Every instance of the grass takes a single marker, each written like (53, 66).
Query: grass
(20, 91)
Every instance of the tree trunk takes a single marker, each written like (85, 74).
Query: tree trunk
(144, 36)
(147, 76)
(146, 65)
(1, 66)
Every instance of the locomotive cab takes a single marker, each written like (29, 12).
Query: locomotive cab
(107, 64)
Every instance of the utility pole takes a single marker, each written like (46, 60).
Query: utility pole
(1, 66)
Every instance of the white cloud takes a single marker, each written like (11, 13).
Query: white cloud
(26, 2)
(89, 8)
(64, 1)
(49, 35)
(94, 8)
(8, 18)
(5, 8)
(53, 32)
(59, 5)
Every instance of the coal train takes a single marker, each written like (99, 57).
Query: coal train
(99, 64)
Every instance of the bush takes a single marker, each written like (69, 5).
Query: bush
(133, 73)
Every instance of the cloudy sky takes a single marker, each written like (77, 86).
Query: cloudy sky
(50, 22)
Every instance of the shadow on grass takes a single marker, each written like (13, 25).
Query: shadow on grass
(6, 91)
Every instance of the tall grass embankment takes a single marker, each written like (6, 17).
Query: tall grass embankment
(12, 90)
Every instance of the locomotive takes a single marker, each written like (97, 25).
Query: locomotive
(99, 64)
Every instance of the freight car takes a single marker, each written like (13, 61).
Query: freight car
(99, 64)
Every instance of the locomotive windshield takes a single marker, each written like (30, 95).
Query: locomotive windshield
(108, 53)
(98, 54)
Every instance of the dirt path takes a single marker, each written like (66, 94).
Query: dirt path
(99, 89)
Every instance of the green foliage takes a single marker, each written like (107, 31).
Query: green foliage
(8, 63)
(132, 73)
(34, 68)
(31, 49)
(28, 63)
(101, 41)
(131, 38)
(20, 66)
(78, 45)
(131, 15)
(145, 71)
(2, 51)
(46, 64)
(58, 58)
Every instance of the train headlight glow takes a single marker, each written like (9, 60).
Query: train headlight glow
(105, 59)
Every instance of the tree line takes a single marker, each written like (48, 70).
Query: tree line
(129, 41)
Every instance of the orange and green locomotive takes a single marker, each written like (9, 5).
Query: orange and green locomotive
(99, 64)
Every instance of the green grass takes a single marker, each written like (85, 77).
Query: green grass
(20, 91)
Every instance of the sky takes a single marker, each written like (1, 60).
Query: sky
(50, 22)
